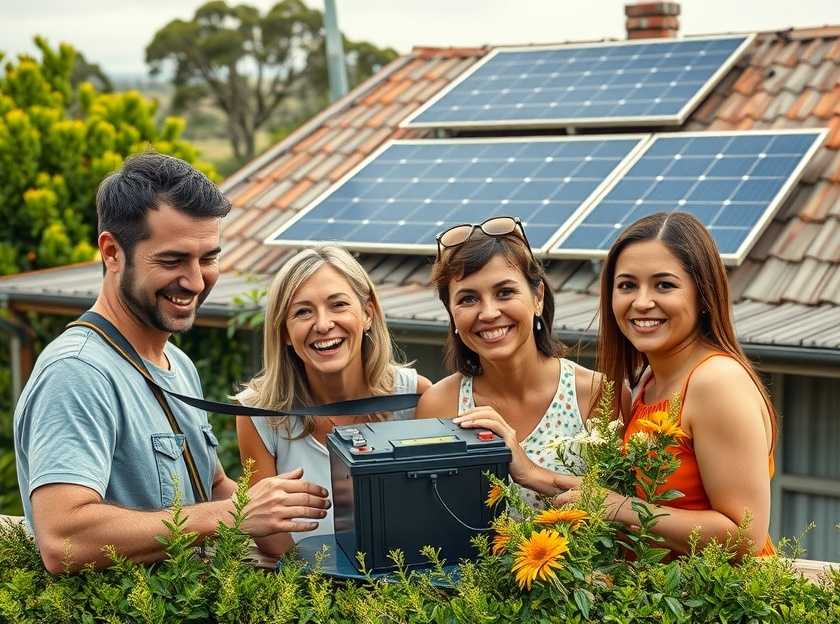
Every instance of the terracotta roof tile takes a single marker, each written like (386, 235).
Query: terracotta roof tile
(229, 258)
(346, 119)
(830, 292)
(376, 95)
(271, 257)
(361, 120)
(833, 53)
(310, 194)
(375, 140)
(411, 93)
(770, 281)
(741, 276)
(408, 69)
(256, 229)
(826, 245)
(312, 140)
(794, 240)
(813, 52)
(749, 80)
(441, 69)
(321, 172)
(788, 55)
(396, 89)
(278, 218)
(431, 88)
(826, 77)
(827, 103)
(233, 228)
(345, 166)
(355, 140)
(831, 172)
(253, 191)
(764, 50)
(380, 118)
(799, 78)
(756, 105)
(268, 198)
(779, 106)
(765, 242)
(775, 78)
(707, 111)
(732, 109)
(833, 138)
(286, 200)
(804, 104)
(823, 197)
(335, 142)
(460, 67)
(806, 284)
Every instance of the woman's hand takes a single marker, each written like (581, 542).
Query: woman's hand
(618, 507)
(485, 417)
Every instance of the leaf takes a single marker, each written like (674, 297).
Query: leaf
(583, 601)
(675, 607)
(670, 495)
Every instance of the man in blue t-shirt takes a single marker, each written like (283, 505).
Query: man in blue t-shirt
(97, 460)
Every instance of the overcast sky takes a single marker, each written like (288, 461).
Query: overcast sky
(114, 33)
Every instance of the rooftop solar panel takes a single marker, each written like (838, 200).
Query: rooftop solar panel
(733, 182)
(401, 196)
(652, 82)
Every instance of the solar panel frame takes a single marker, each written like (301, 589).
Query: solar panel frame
(431, 249)
(730, 259)
(581, 122)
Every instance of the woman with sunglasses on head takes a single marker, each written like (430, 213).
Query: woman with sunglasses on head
(666, 326)
(325, 340)
(510, 375)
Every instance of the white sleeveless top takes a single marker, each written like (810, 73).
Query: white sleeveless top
(562, 419)
(308, 453)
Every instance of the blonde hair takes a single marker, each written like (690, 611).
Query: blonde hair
(282, 383)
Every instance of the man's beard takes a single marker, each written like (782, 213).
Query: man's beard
(147, 311)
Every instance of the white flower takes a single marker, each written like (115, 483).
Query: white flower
(613, 426)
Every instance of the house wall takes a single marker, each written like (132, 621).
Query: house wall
(807, 484)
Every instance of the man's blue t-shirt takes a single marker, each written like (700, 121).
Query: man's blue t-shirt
(87, 417)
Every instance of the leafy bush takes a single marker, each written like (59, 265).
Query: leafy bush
(222, 587)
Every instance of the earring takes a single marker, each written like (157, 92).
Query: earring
(456, 331)
(539, 324)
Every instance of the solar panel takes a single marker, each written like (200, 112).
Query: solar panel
(646, 82)
(404, 194)
(733, 182)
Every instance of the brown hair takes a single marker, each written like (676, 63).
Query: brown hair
(472, 256)
(691, 244)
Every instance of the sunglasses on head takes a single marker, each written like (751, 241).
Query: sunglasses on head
(495, 226)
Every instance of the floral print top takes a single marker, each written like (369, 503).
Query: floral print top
(562, 420)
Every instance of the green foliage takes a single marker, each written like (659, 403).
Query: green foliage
(59, 138)
(249, 64)
(188, 586)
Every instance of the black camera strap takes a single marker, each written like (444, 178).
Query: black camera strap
(114, 338)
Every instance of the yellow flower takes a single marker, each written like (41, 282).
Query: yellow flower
(494, 495)
(555, 516)
(501, 539)
(538, 556)
(661, 422)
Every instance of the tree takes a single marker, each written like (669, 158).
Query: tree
(249, 64)
(58, 139)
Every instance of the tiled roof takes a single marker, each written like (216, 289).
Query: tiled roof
(788, 79)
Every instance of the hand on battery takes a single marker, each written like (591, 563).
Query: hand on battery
(277, 503)
(485, 417)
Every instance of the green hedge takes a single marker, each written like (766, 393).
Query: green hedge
(223, 587)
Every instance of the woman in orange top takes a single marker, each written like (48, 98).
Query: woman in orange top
(666, 327)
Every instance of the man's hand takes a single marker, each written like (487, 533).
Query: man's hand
(277, 501)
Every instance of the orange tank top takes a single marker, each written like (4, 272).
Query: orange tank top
(686, 478)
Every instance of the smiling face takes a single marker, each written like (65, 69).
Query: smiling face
(493, 309)
(654, 300)
(171, 272)
(325, 323)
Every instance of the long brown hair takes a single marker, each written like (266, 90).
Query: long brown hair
(472, 256)
(692, 245)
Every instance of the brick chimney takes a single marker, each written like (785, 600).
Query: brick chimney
(652, 20)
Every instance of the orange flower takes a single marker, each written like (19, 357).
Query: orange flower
(501, 539)
(661, 422)
(538, 556)
(494, 495)
(555, 516)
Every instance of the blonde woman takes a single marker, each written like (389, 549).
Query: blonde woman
(325, 340)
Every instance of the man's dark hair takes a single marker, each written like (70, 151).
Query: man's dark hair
(146, 181)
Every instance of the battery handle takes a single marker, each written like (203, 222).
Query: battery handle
(432, 474)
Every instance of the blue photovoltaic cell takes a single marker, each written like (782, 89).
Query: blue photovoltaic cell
(412, 190)
(580, 85)
(729, 182)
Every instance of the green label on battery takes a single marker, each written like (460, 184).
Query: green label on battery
(424, 441)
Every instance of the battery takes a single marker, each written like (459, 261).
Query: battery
(411, 483)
